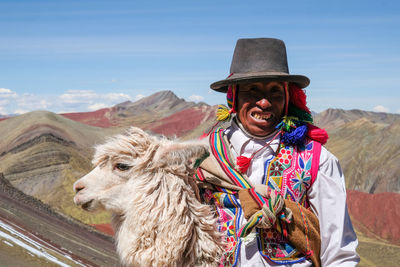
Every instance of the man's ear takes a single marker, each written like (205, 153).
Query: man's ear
(182, 153)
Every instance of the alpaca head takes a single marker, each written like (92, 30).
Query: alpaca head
(120, 165)
(147, 183)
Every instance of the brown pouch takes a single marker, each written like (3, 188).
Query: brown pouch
(302, 227)
(249, 205)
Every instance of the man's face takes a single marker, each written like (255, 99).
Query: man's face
(261, 106)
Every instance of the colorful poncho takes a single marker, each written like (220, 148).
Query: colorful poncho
(286, 240)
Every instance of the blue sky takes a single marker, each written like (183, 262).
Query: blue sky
(68, 56)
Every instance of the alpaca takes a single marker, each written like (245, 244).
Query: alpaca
(147, 185)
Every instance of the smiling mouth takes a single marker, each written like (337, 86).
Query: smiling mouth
(260, 116)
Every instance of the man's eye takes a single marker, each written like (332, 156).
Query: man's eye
(255, 92)
(276, 89)
(122, 166)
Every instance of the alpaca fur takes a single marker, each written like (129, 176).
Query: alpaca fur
(157, 216)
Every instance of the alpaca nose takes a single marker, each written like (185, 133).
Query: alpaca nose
(78, 187)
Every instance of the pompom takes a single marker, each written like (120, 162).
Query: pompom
(296, 136)
(223, 113)
(243, 163)
(298, 97)
(317, 134)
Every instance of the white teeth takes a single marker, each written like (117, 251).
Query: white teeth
(262, 117)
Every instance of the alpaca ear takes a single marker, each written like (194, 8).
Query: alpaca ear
(183, 153)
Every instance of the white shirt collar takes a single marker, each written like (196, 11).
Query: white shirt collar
(243, 144)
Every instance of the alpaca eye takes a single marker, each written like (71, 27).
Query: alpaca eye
(122, 166)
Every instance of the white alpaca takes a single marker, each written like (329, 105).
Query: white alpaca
(147, 184)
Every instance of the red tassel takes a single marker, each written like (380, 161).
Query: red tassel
(298, 98)
(317, 134)
(309, 253)
(243, 163)
(204, 135)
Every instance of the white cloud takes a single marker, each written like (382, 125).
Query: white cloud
(116, 97)
(380, 108)
(90, 98)
(196, 98)
(4, 102)
(69, 101)
(29, 102)
(97, 106)
(78, 96)
(20, 111)
(139, 96)
(7, 93)
(43, 104)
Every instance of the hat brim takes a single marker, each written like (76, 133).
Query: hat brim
(240, 78)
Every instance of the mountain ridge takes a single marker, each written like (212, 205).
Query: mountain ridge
(43, 153)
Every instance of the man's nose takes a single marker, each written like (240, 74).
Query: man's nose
(263, 103)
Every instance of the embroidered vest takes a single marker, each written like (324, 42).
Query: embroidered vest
(291, 173)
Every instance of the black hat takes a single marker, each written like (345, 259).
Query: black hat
(259, 59)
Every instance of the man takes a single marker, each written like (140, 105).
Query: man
(280, 196)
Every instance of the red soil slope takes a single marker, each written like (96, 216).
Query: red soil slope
(182, 122)
(98, 118)
(105, 228)
(376, 214)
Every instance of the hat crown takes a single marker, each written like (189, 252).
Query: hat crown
(259, 60)
(259, 55)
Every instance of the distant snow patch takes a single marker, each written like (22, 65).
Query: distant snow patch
(380, 108)
(196, 98)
